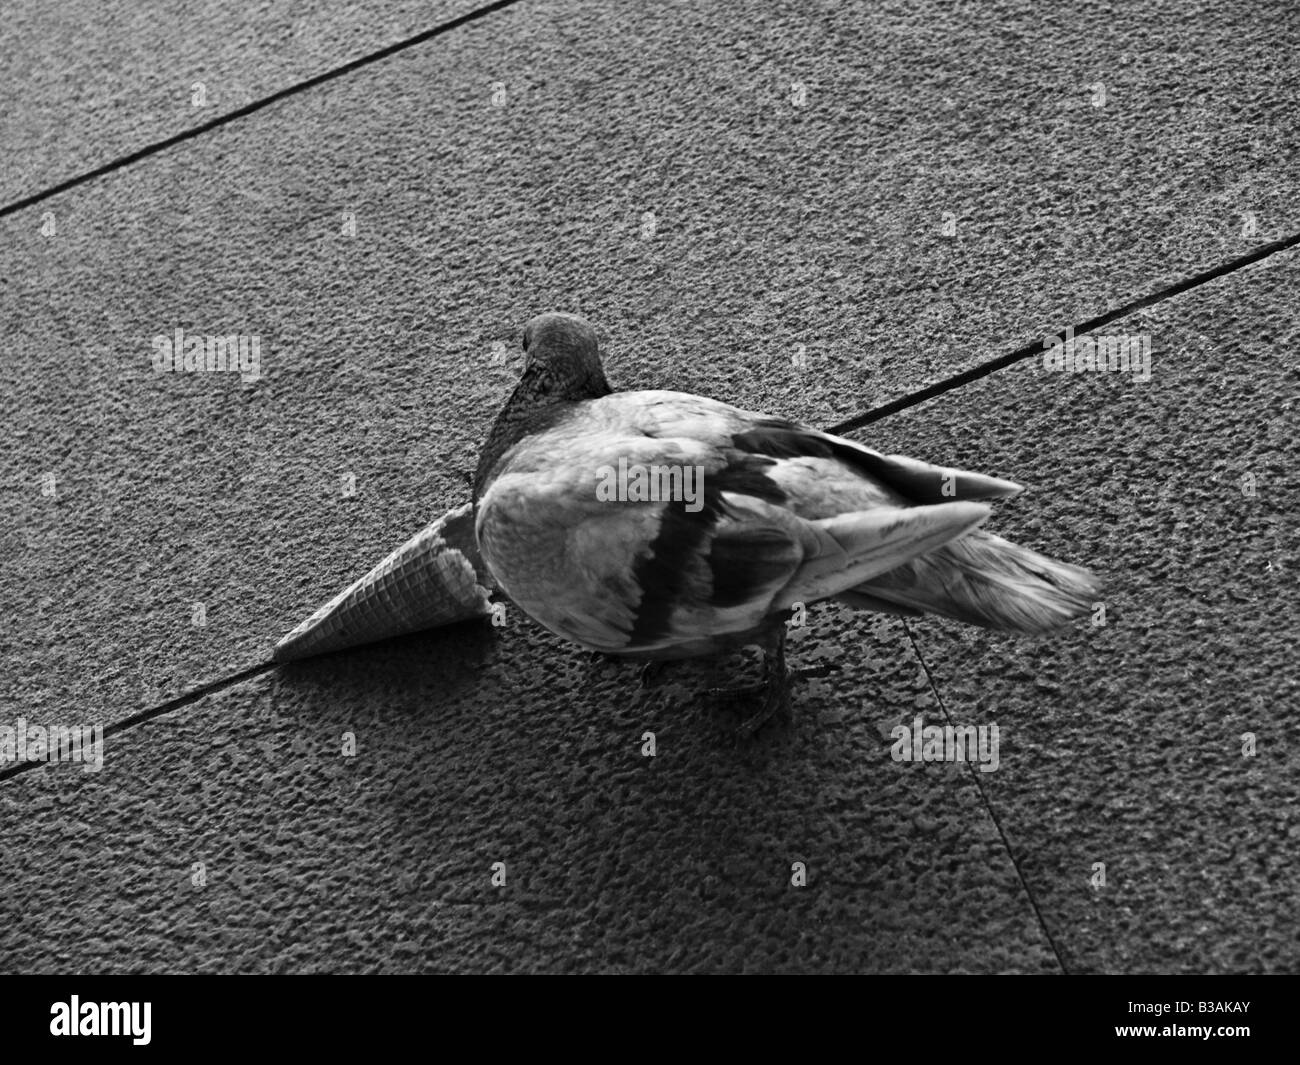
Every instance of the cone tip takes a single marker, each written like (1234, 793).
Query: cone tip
(347, 620)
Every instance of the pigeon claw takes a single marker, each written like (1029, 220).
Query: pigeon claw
(652, 673)
(772, 692)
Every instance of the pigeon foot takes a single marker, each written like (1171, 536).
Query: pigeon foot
(652, 673)
(772, 692)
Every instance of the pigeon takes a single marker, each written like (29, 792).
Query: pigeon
(658, 525)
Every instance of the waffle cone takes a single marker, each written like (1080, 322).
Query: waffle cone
(435, 578)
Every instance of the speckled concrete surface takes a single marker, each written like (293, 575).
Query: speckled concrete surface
(1124, 741)
(661, 170)
(86, 84)
(473, 750)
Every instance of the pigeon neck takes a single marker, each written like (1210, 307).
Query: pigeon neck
(530, 409)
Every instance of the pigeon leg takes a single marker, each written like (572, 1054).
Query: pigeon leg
(652, 673)
(773, 691)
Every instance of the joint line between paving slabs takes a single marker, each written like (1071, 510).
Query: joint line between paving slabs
(988, 806)
(148, 714)
(256, 105)
(984, 369)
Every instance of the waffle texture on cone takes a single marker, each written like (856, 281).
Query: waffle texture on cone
(435, 578)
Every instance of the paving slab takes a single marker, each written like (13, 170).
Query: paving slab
(1149, 777)
(233, 835)
(88, 84)
(385, 235)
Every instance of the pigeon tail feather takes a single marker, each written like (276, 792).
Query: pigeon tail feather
(985, 580)
(860, 545)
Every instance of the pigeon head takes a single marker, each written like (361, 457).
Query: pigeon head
(561, 368)
(562, 358)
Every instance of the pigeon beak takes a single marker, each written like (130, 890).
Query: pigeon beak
(435, 578)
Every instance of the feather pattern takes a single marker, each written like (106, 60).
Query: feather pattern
(984, 580)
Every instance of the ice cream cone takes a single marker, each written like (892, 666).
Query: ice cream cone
(435, 578)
